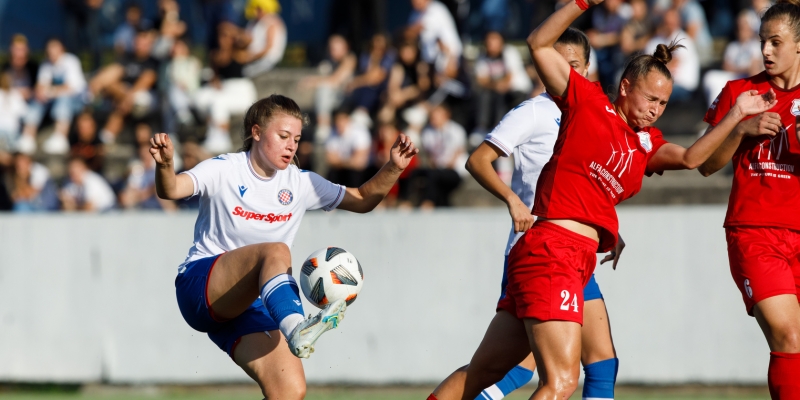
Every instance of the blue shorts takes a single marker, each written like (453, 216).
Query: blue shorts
(191, 286)
(590, 292)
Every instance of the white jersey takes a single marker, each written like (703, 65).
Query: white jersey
(238, 207)
(529, 131)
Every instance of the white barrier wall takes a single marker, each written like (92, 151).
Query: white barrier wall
(90, 298)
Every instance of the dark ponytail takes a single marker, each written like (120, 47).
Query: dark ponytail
(262, 111)
(788, 9)
(575, 37)
(641, 65)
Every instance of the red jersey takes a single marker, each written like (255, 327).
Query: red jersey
(598, 161)
(765, 179)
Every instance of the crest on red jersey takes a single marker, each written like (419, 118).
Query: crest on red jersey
(644, 140)
(795, 110)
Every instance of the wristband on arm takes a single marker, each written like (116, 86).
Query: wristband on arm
(582, 4)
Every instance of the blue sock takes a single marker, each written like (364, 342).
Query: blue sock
(600, 379)
(513, 380)
(281, 297)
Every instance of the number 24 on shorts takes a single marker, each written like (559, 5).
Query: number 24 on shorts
(566, 304)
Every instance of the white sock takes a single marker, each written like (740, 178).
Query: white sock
(290, 322)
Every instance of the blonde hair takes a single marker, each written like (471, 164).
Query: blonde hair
(262, 111)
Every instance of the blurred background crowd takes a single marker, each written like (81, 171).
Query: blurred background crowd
(85, 83)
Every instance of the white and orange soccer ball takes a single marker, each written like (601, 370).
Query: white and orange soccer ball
(331, 274)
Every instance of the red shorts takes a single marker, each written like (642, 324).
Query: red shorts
(765, 262)
(547, 270)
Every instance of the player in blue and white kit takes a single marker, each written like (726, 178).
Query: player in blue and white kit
(529, 132)
(236, 281)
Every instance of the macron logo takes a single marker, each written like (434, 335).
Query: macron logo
(611, 110)
(558, 121)
(242, 189)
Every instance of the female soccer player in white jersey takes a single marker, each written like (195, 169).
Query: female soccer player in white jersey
(602, 152)
(236, 282)
(762, 225)
(529, 131)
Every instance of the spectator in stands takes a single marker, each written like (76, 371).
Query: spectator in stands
(83, 27)
(604, 37)
(637, 31)
(130, 84)
(409, 82)
(695, 24)
(335, 71)
(12, 109)
(266, 33)
(754, 13)
(432, 22)
(59, 86)
(140, 186)
(30, 186)
(228, 92)
(502, 80)
(23, 70)
(387, 135)
(356, 20)
(742, 58)
(217, 13)
(183, 80)
(85, 190)
(347, 151)
(444, 145)
(125, 34)
(169, 26)
(366, 87)
(685, 64)
(85, 142)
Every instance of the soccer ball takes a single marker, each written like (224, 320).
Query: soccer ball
(331, 274)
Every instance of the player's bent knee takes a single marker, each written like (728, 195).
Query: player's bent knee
(562, 384)
(292, 390)
(789, 340)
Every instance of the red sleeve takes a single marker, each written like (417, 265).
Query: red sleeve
(577, 87)
(657, 138)
(721, 105)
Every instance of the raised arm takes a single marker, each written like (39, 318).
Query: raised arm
(671, 156)
(552, 68)
(768, 123)
(169, 186)
(366, 197)
(479, 165)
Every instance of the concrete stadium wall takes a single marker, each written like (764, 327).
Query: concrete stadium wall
(91, 298)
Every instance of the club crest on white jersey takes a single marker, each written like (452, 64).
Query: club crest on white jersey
(285, 197)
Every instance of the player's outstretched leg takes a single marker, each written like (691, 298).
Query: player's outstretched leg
(265, 358)
(556, 347)
(305, 335)
(234, 283)
(779, 319)
(598, 356)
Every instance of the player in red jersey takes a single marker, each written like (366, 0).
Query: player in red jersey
(601, 154)
(762, 225)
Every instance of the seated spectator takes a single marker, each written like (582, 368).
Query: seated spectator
(742, 58)
(169, 26)
(125, 33)
(432, 23)
(30, 186)
(22, 69)
(637, 31)
(183, 80)
(86, 144)
(501, 76)
(365, 89)
(387, 135)
(685, 64)
(347, 151)
(267, 36)
(59, 87)
(140, 186)
(334, 72)
(409, 82)
(604, 37)
(129, 84)
(228, 92)
(12, 109)
(444, 147)
(695, 24)
(85, 190)
(755, 11)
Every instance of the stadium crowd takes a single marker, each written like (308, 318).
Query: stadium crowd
(446, 79)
